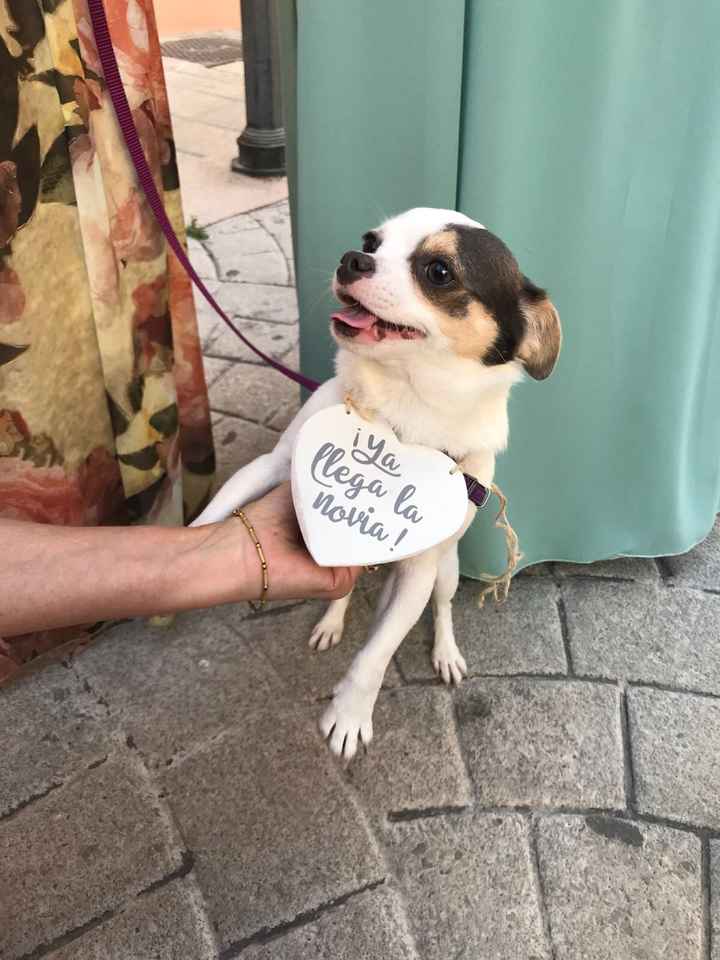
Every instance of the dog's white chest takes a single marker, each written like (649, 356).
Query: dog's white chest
(363, 497)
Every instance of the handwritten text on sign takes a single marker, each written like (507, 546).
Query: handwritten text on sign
(333, 465)
(364, 497)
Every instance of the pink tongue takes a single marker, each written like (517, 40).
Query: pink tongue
(355, 318)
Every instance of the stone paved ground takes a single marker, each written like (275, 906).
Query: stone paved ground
(208, 114)
(165, 794)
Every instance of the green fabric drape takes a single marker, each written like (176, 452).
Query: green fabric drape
(587, 136)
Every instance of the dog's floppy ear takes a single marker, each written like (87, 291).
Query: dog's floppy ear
(540, 347)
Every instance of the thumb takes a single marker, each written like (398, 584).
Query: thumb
(342, 580)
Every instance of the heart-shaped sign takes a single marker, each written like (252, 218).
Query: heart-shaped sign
(363, 497)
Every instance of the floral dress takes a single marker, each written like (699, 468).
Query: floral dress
(104, 413)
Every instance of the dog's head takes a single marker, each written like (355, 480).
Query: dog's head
(435, 280)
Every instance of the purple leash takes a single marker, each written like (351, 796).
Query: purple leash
(129, 131)
(477, 493)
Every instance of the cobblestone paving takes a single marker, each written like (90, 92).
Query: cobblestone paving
(165, 794)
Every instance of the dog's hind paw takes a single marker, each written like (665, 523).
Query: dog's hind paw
(449, 663)
(327, 633)
(347, 722)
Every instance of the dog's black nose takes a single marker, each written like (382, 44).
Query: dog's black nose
(354, 265)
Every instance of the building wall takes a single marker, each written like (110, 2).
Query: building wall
(188, 16)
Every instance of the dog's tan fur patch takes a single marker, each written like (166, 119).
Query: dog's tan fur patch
(470, 335)
(541, 344)
(444, 244)
(469, 327)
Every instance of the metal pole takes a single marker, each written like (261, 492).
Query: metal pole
(261, 145)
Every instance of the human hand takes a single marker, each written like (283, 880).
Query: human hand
(292, 572)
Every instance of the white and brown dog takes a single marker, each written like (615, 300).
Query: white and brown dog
(438, 323)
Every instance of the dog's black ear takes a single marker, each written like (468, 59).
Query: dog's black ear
(540, 347)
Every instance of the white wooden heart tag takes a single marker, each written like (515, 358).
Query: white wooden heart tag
(363, 497)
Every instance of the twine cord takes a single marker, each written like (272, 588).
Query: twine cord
(499, 586)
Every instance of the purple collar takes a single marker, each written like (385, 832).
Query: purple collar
(477, 493)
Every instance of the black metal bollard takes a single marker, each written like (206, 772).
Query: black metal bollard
(261, 145)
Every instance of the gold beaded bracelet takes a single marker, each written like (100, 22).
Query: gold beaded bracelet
(259, 604)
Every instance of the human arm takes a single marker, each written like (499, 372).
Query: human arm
(61, 576)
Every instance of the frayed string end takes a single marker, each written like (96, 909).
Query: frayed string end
(498, 587)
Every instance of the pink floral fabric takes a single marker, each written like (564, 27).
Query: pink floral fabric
(104, 415)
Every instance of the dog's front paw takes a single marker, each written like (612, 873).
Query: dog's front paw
(448, 662)
(327, 632)
(348, 720)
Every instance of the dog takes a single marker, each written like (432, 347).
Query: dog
(437, 323)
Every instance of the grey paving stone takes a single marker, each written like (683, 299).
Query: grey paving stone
(469, 887)
(279, 211)
(276, 220)
(259, 301)
(522, 635)
(543, 743)
(248, 255)
(201, 260)
(50, 728)
(292, 358)
(76, 853)
(675, 760)
(252, 392)
(237, 442)
(214, 368)
(536, 570)
(282, 636)
(169, 689)
(715, 898)
(624, 568)
(616, 890)
(645, 633)
(266, 267)
(274, 830)
(207, 319)
(701, 566)
(370, 926)
(233, 613)
(241, 235)
(231, 226)
(274, 339)
(285, 412)
(414, 762)
(167, 924)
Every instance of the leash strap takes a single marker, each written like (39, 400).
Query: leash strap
(132, 140)
(477, 493)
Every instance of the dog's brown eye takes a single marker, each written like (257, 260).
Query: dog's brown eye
(371, 241)
(439, 273)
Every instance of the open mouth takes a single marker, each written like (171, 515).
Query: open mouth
(355, 322)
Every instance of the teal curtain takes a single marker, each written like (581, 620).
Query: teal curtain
(588, 136)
